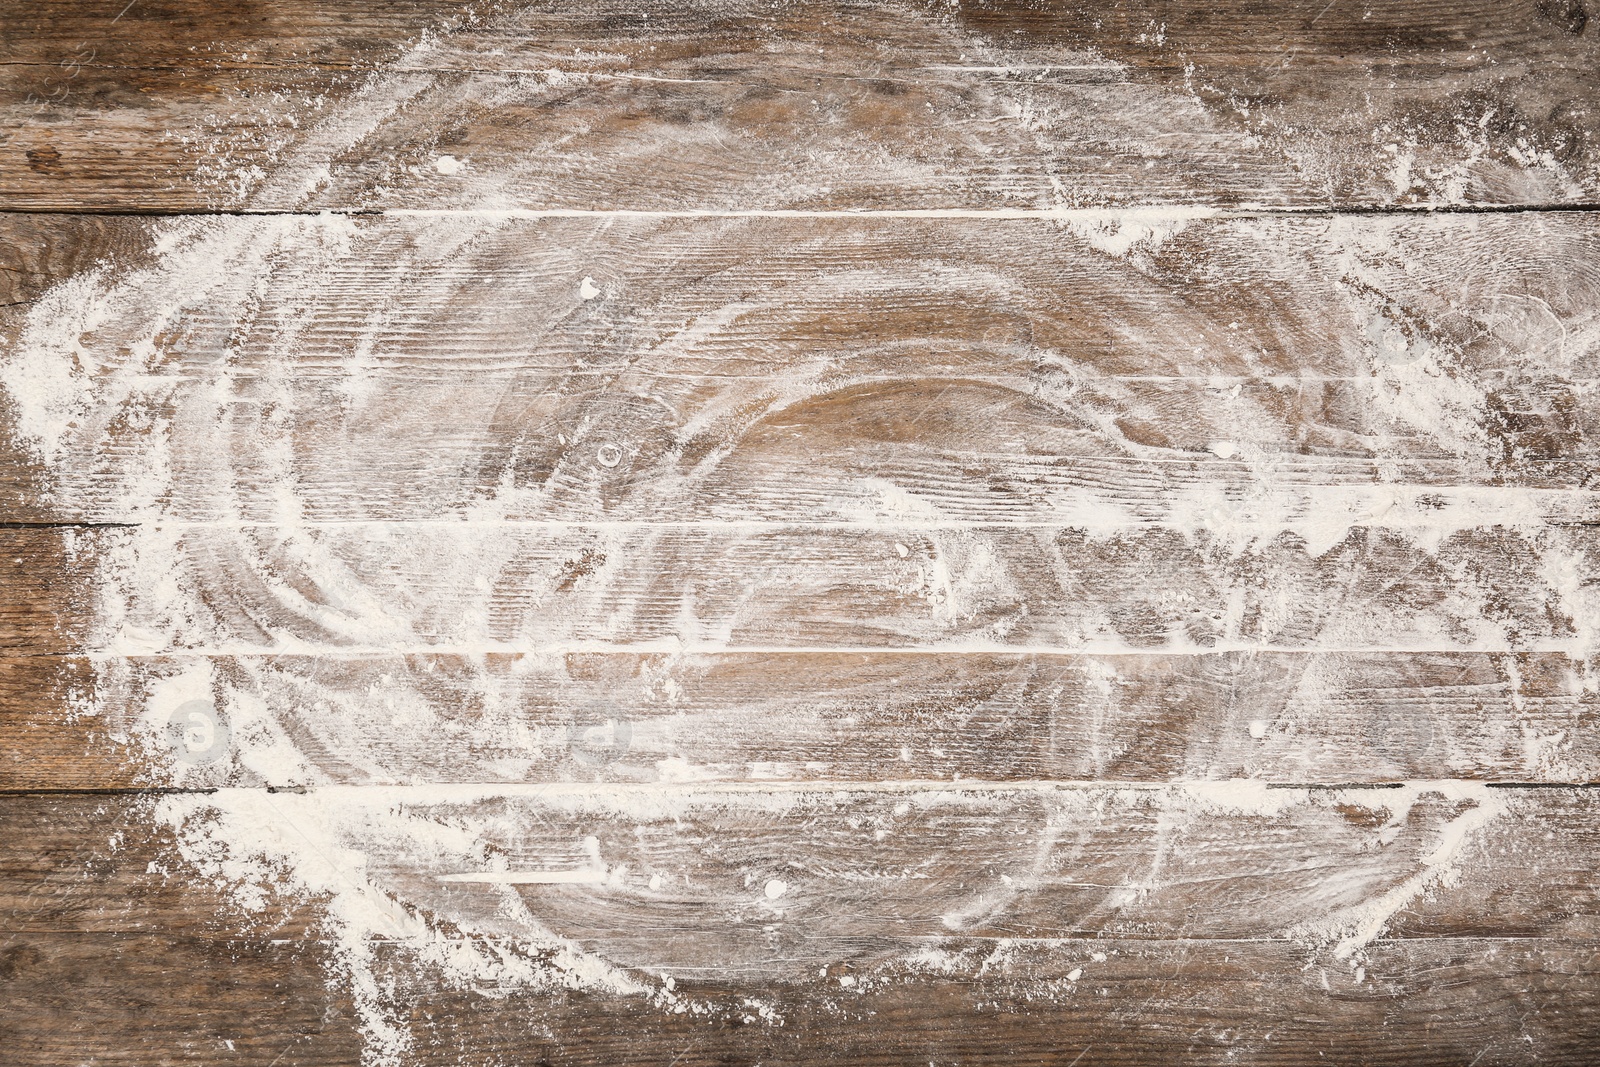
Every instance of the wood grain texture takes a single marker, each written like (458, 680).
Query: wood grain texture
(736, 532)
(956, 996)
(193, 105)
(1266, 373)
(840, 717)
(874, 874)
(523, 587)
(1251, 1000)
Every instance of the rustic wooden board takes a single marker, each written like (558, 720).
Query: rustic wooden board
(195, 106)
(839, 717)
(970, 994)
(1213, 1003)
(675, 881)
(724, 533)
(1258, 372)
(473, 589)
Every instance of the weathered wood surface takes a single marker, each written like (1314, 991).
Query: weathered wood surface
(1326, 717)
(1118, 989)
(674, 882)
(1033, 652)
(196, 105)
(758, 533)
(263, 1004)
(1261, 373)
(473, 589)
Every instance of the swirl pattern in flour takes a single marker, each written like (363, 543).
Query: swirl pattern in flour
(413, 494)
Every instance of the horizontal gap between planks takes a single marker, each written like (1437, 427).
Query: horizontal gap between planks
(912, 524)
(948, 939)
(675, 647)
(1174, 212)
(1009, 72)
(70, 525)
(463, 792)
(693, 974)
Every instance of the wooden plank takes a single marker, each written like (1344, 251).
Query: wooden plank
(675, 881)
(1436, 371)
(43, 745)
(49, 602)
(831, 106)
(1214, 1005)
(797, 717)
(859, 869)
(139, 1000)
(1518, 924)
(161, 998)
(478, 588)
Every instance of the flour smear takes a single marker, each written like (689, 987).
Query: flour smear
(194, 391)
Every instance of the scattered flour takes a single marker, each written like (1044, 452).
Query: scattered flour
(1351, 929)
(113, 353)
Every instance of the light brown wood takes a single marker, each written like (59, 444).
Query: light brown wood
(873, 105)
(528, 587)
(1389, 372)
(869, 871)
(1529, 1006)
(845, 717)
(959, 995)
(877, 533)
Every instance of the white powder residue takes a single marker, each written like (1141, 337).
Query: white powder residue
(313, 846)
(1353, 928)
(1424, 388)
(1245, 796)
(1141, 230)
(1567, 567)
(215, 393)
(50, 383)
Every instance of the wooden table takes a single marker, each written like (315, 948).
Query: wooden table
(753, 532)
